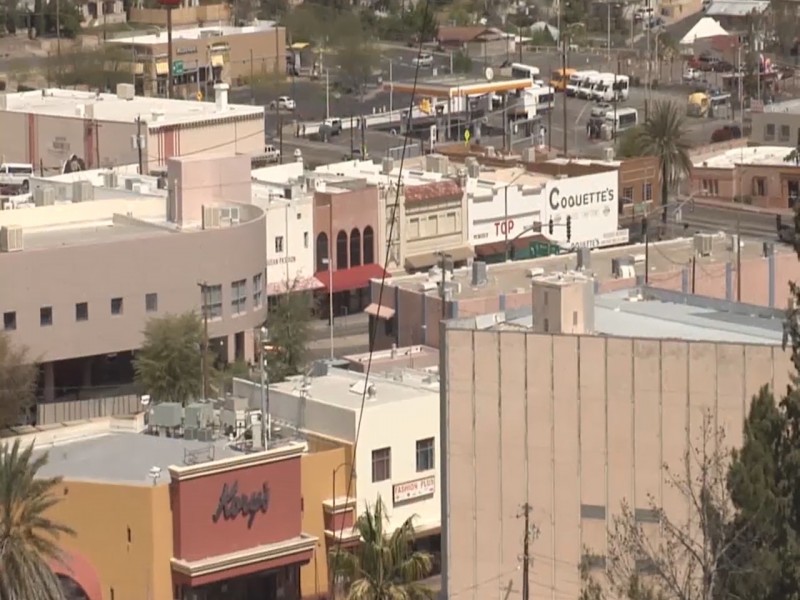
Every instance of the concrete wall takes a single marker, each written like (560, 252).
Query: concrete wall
(761, 134)
(740, 181)
(573, 425)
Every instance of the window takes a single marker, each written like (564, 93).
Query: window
(413, 229)
(388, 327)
(368, 238)
(211, 301)
(82, 311)
(238, 296)
(425, 455)
(574, 318)
(627, 195)
(449, 224)
(648, 192)
(355, 247)
(151, 302)
(432, 227)
(785, 133)
(546, 326)
(381, 464)
(258, 289)
(116, 306)
(769, 131)
(305, 239)
(322, 251)
(711, 187)
(278, 243)
(546, 298)
(341, 250)
(46, 316)
(759, 186)
(9, 321)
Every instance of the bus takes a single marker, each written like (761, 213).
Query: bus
(520, 71)
(575, 81)
(560, 78)
(622, 119)
(543, 97)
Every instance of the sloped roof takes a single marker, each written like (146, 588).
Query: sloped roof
(467, 34)
(706, 27)
(433, 191)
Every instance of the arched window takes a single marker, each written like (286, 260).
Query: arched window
(369, 245)
(341, 251)
(322, 251)
(355, 247)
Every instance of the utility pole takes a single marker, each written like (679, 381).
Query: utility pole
(443, 256)
(563, 75)
(646, 251)
(58, 27)
(263, 336)
(139, 144)
(204, 356)
(529, 535)
(694, 271)
(738, 262)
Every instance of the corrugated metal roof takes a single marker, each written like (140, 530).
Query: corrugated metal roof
(433, 191)
(736, 8)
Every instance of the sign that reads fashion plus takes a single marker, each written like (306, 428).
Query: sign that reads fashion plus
(233, 504)
(591, 202)
(411, 490)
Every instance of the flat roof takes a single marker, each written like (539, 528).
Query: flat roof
(111, 108)
(664, 256)
(127, 457)
(345, 389)
(100, 232)
(456, 85)
(194, 33)
(756, 155)
(787, 106)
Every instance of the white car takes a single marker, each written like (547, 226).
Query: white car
(423, 60)
(271, 153)
(16, 174)
(691, 74)
(283, 103)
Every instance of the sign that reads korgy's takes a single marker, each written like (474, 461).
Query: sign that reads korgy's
(417, 488)
(232, 504)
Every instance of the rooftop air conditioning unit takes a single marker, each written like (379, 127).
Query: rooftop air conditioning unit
(82, 191)
(11, 238)
(125, 91)
(212, 219)
(130, 182)
(110, 180)
(703, 243)
(167, 414)
(44, 196)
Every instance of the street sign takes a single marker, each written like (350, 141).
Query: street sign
(177, 68)
(467, 135)
(199, 96)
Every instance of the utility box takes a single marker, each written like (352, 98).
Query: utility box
(167, 415)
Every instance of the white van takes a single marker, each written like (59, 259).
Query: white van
(585, 88)
(603, 89)
(622, 119)
(16, 174)
(575, 81)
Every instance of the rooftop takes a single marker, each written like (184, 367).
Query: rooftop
(345, 389)
(757, 155)
(156, 112)
(735, 8)
(128, 457)
(787, 106)
(661, 314)
(513, 276)
(195, 33)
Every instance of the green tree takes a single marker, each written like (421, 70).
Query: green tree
(169, 364)
(99, 69)
(69, 17)
(384, 566)
(17, 383)
(628, 143)
(422, 22)
(28, 536)
(356, 58)
(663, 135)
(289, 324)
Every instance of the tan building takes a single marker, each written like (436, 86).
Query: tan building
(85, 268)
(49, 128)
(777, 125)
(203, 56)
(575, 421)
(760, 176)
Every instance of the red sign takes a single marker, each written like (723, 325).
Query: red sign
(236, 508)
(504, 227)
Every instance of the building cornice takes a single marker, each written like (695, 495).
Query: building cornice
(225, 465)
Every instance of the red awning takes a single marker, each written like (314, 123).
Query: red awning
(351, 279)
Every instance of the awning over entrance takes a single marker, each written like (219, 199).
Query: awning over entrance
(304, 284)
(483, 250)
(429, 259)
(353, 278)
(379, 311)
(162, 67)
(252, 560)
(217, 60)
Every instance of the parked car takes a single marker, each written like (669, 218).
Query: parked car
(692, 74)
(423, 60)
(330, 127)
(283, 103)
(16, 174)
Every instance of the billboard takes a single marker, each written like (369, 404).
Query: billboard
(592, 202)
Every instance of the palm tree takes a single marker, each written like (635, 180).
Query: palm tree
(384, 566)
(28, 538)
(663, 135)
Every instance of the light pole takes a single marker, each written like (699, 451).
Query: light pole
(329, 263)
(169, 5)
(266, 420)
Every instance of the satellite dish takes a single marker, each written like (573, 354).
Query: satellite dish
(489, 73)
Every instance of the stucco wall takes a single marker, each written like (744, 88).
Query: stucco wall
(565, 421)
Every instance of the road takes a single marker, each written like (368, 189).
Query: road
(758, 225)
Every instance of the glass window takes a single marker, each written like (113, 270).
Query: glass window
(9, 321)
(785, 133)
(211, 301)
(151, 302)
(381, 464)
(82, 311)
(46, 316)
(278, 243)
(258, 289)
(305, 239)
(425, 454)
(648, 192)
(116, 306)
(239, 296)
(769, 131)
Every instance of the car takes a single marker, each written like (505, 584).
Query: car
(283, 103)
(599, 110)
(330, 127)
(692, 74)
(16, 175)
(423, 60)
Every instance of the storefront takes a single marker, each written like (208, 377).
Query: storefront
(517, 249)
(350, 288)
(237, 528)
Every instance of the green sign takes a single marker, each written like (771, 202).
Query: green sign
(177, 67)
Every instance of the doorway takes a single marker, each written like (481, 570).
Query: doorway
(793, 195)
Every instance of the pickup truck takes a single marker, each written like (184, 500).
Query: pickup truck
(16, 175)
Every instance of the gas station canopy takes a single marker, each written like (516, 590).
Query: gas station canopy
(454, 87)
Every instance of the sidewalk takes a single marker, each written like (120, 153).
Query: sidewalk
(738, 206)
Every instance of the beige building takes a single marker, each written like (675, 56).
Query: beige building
(203, 56)
(576, 420)
(777, 125)
(49, 128)
(86, 267)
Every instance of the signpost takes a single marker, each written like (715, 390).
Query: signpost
(177, 68)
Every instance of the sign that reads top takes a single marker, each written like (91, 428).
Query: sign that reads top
(591, 201)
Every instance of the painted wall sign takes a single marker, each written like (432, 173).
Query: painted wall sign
(281, 260)
(186, 50)
(232, 504)
(411, 490)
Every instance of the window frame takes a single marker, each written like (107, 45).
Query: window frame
(239, 296)
(426, 454)
(381, 461)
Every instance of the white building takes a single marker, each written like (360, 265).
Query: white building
(397, 455)
(282, 192)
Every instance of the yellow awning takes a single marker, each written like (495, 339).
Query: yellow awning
(217, 60)
(138, 68)
(300, 45)
(162, 67)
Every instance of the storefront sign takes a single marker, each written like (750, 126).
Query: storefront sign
(182, 51)
(61, 145)
(410, 490)
(576, 200)
(232, 504)
(281, 260)
(504, 227)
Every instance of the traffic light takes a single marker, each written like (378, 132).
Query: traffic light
(550, 226)
(569, 227)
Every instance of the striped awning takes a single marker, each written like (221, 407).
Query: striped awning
(162, 67)
(217, 60)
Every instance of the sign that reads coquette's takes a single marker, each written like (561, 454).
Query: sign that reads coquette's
(410, 490)
(232, 504)
(591, 202)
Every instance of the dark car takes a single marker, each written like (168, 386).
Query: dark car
(722, 66)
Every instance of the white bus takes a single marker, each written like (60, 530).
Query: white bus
(543, 97)
(575, 81)
(520, 71)
(622, 119)
(612, 89)
(584, 90)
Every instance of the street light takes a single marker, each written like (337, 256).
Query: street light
(169, 5)
(329, 263)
